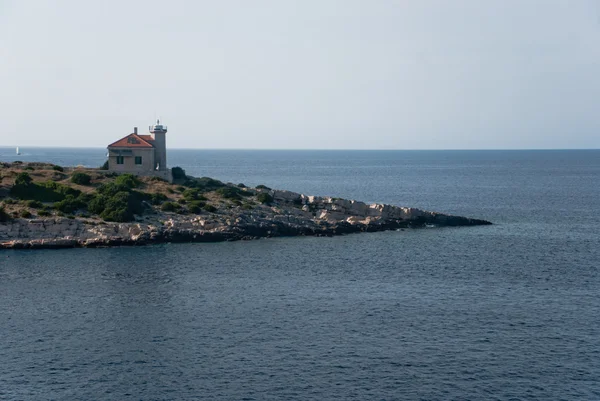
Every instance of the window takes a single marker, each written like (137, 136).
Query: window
(138, 160)
(120, 160)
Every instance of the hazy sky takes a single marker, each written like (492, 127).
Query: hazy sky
(347, 74)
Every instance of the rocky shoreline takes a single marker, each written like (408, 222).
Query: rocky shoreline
(288, 214)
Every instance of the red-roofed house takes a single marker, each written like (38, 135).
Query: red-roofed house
(141, 154)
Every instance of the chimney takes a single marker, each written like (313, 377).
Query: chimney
(135, 130)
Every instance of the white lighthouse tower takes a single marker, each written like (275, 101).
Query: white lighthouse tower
(159, 133)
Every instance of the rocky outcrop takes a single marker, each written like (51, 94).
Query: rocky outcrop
(290, 214)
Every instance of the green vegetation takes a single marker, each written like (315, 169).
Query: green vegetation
(264, 198)
(228, 192)
(210, 208)
(169, 207)
(98, 204)
(157, 198)
(116, 197)
(128, 180)
(196, 206)
(233, 193)
(48, 191)
(263, 187)
(70, 204)
(34, 204)
(23, 179)
(192, 194)
(204, 184)
(104, 166)
(123, 205)
(81, 178)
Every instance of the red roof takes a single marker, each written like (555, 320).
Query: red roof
(147, 138)
(134, 141)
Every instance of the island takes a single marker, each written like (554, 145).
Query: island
(45, 206)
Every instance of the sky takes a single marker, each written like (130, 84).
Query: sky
(310, 74)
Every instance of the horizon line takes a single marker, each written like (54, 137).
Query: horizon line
(317, 149)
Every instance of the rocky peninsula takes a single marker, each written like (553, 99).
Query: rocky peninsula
(48, 206)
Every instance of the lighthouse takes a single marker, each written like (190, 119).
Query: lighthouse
(159, 133)
(143, 155)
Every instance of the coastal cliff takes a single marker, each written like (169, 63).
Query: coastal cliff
(108, 210)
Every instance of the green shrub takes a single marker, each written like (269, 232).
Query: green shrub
(157, 198)
(43, 213)
(128, 180)
(69, 205)
(60, 189)
(58, 168)
(229, 192)
(180, 189)
(121, 207)
(48, 191)
(197, 203)
(193, 194)
(98, 204)
(25, 213)
(196, 206)
(178, 173)
(86, 197)
(23, 179)
(117, 202)
(210, 208)
(169, 207)
(81, 178)
(104, 166)
(29, 168)
(194, 209)
(204, 184)
(112, 188)
(9, 201)
(247, 206)
(34, 204)
(119, 215)
(4, 217)
(241, 185)
(264, 198)
(263, 187)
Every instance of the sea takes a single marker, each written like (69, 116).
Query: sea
(503, 312)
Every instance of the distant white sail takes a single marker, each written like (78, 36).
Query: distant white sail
(18, 151)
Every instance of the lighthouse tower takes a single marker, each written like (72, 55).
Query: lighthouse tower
(159, 133)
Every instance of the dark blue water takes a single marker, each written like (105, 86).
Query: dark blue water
(510, 311)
